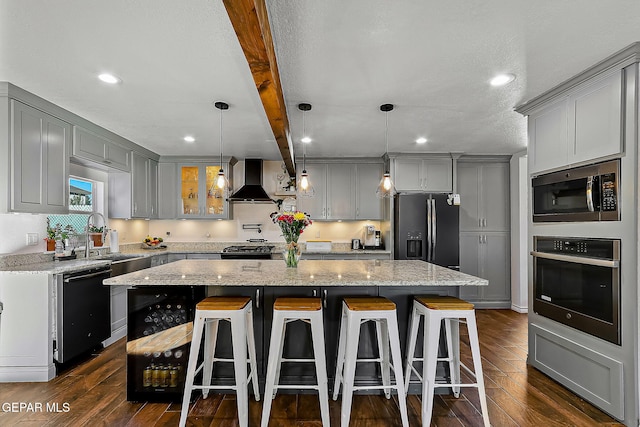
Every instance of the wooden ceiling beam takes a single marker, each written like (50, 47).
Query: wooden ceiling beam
(251, 24)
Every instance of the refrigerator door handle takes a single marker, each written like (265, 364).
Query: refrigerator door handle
(433, 226)
(428, 254)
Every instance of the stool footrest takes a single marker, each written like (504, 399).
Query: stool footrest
(438, 385)
(295, 387)
(375, 387)
(299, 360)
(214, 387)
(379, 359)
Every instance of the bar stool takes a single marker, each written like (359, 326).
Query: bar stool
(286, 310)
(355, 312)
(450, 309)
(209, 312)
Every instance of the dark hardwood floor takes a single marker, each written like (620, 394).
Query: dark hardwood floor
(517, 395)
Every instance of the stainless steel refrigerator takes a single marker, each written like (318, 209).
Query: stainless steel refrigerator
(426, 227)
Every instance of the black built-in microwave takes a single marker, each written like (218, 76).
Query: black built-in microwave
(588, 193)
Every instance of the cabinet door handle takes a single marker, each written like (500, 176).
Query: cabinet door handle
(484, 222)
(324, 294)
(258, 298)
(328, 212)
(480, 239)
(315, 292)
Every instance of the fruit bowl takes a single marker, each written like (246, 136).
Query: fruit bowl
(153, 243)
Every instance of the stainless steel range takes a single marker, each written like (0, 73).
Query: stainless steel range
(247, 252)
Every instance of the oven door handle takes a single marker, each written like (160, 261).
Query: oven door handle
(578, 259)
(590, 193)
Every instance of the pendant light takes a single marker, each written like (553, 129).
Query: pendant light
(386, 187)
(220, 187)
(303, 186)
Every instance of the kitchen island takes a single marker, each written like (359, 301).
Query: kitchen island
(264, 281)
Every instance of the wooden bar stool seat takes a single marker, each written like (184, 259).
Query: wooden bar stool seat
(451, 310)
(209, 312)
(286, 310)
(355, 312)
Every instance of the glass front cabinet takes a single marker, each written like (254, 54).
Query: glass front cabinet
(197, 198)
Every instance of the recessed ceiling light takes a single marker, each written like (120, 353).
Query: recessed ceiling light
(502, 79)
(189, 138)
(305, 139)
(109, 78)
(421, 140)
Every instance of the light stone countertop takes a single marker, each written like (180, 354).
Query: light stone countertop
(57, 267)
(308, 273)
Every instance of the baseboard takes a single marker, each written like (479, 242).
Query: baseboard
(519, 309)
(38, 374)
(115, 336)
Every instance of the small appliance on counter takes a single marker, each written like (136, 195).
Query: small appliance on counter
(371, 238)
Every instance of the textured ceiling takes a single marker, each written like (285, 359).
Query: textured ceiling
(431, 59)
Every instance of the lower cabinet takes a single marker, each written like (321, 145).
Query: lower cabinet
(486, 255)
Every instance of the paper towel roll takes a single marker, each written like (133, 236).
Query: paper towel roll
(113, 240)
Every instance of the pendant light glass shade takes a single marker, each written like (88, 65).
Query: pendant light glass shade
(303, 186)
(385, 187)
(220, 187)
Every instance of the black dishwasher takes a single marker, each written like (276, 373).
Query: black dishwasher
(83, 318)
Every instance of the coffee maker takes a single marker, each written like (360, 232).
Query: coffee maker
(371, 238)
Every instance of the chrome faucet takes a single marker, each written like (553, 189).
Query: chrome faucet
(87, 250)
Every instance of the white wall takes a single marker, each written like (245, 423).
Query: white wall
(519, 220)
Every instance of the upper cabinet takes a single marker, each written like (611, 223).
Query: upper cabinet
(432, 174)
(581, 125)
(88, 145)
(343, 190)
(39, 172)
(368, 205)
(135, 194)
(196, 198)
(484, 196)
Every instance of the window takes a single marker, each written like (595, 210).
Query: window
(81, 195)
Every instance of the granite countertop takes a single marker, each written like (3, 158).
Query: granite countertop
(308, 273)
(40, 263)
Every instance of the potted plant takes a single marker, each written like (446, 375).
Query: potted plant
(96, 234)
(52, 235)
(57, 233)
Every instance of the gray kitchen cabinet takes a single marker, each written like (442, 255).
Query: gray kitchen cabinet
(159, 259)
(167, 192)
(484, 196)
(423, 174)
(486, 255)
(334, 192)
(343, 190)
(196, 199)
(315, 206)
(201, 255)
(88, 145)
(39, 172)
(134, 194)
(176, 257)
(368, 205)
(582, 125)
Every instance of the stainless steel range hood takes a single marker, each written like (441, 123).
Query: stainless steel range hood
(252, 190)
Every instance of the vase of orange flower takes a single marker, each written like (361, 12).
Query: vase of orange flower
(292, 224)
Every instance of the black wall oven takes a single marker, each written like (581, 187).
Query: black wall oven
(577, 283)
(588, 193)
